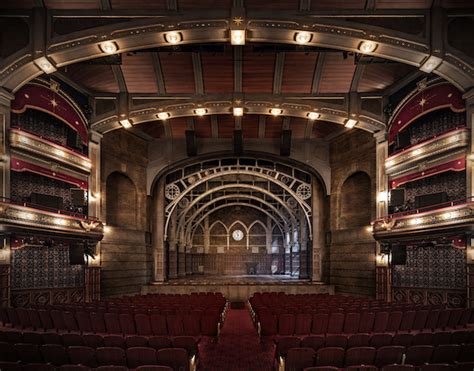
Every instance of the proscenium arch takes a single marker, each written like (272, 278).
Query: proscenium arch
(147, 31)
(188, 222)
(228, 205)
(236, 185)
(172, 206)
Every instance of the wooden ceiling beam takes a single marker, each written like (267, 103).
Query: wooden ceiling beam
(214, 127)
(305, 5)
(105, 5)
(278, 72)
(197, 71)
(308, 131)
(400, 83)
(261, 126)
(118, 74)
(318, 71)
(172, 5)
(238, 69)
(356, 77)
(160, 82)
(73, 84)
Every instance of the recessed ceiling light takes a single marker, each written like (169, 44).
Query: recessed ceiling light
(108, 47)
(367, 46)
(313, 115)
(163, 115)
(126, 123)
(350, 123)
(303, 37)
(430, 64)
(200, 111)
(276, 111)
(237, 37)
(45, 65)
(238, 111)
(173, 37)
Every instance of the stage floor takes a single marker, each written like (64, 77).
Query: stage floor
(240, 287)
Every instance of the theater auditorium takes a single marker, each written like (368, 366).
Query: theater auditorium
(236, 185)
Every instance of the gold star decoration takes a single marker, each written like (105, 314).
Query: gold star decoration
(238, 20)
(422, 102)
(54, 103)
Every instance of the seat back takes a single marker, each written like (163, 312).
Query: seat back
(320, 323)
(389, 355)
(418, 354)
(111, 356)
(360, 356)
(300, 358)
(140, 356)
(82, 355)
(330, 356)
(176, 358)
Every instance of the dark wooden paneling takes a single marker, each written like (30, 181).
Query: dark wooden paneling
(153, 128)
(202, 125)
(177, 72)
(322, 129)
(457, 3)
(258, 72)
(379, 76)
(138, 73)
(178, 127)
(226, 126)
(298, 72)
(139, 4)
(272, 5)
(403, 4)
(338, 4)
(72, 4)
(273, 126)
(17, 4)
(250, 126)
(97, 78)
(298, 127)
(203, 4)
(337, 73)
(218, 72)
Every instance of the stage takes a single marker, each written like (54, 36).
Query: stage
(238, 288)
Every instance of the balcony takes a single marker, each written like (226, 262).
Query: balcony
(25, 217)
(450, 217)
(410, 160)
(32, 143)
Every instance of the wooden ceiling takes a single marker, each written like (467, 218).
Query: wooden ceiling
(257, 5)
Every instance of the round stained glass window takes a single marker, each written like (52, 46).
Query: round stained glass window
(237, 235)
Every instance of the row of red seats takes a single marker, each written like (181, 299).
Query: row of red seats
(142, 324)
(304, 358)
(376, 341)
(57, 355)
(366, 322)
(14, 366)
(98, 341)
(427, 367)
(281, 297)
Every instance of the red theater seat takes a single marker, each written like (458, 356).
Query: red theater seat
(158, 324)
(330, 357)
(388, 355)
(55, 354)
(72, 339)
(360, 356)
(314, 342)
(176, 358)
(446, 353)
(358, 340)
(111, 356)
(299, 358)
(82, 356)
(418, 355)
(141, 356)
(285, 343)
(320, 324)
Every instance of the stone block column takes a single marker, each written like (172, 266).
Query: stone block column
(158, 245)
(318, 241)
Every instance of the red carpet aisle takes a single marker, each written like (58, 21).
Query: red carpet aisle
(239, 347)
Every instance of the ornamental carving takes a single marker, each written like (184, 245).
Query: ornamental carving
(172, 191)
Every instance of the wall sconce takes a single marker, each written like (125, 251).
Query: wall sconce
(381, 260)
(382, 196)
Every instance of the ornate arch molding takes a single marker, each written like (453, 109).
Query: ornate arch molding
(147, 31)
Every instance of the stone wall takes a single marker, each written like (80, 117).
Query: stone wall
(351, 246)
(125, 251)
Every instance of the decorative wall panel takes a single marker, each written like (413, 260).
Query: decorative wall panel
(433, 267)
(35, 267)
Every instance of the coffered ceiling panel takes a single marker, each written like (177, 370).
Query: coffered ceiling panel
(218, 71)
(95, 77)
(298, 127)
(178, 72)
(337, 73)
(273, 126)
(250, 126)
(138, 4)
(226, 124)
(178, 127)
(275, 4)
(403, 4)
(258, 72)
(338, 4)
(203, 4)
(202, 126)
(298, 72)
(138, 73)
(72, 4)
(378, 76)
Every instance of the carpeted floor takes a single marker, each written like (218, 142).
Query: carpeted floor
(239, 347)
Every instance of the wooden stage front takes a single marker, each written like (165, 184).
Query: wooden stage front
(238, 288)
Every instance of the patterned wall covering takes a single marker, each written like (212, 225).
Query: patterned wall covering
(44, 267)
(451, 182)
(433, 267)
(24, 183)
(45, 125)
(435, 123)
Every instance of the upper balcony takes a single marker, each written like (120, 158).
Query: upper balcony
(450, 217)
(24, 140)
(25, 217)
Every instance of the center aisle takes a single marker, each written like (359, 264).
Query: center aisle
(239, 347)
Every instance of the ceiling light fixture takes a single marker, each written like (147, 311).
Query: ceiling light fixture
(367, 46)
(200, 111)
(303, 37)
(237, 37)
(108, 47)
(431, 64)
(163, 115)
(45, 65)
(238, 111)
(313, 115)
(276, 111)
(350, 123)
(126, 123)
(173, 37)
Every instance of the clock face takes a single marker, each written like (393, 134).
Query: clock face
(237, 235)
